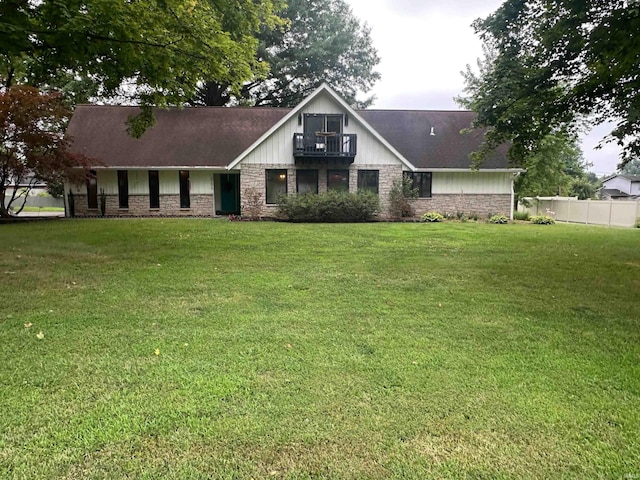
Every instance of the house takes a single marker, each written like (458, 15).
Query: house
(203, 161)
(621, 187)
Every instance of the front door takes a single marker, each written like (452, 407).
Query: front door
(229, 193)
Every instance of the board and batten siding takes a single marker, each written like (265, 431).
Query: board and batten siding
(278, 147)
(471, 183)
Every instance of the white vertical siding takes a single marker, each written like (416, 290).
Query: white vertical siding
(107, 181)
(201, 182)
(169, 182)
(471, 182)
(278, 148)
(138, 182)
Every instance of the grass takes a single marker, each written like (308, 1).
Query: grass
(211, 349)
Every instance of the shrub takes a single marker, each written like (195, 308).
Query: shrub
(501, 219)
(329, 207)
(637, 224)
(542, 220)
(400, 196)
(431, 217)
(521, 215)
(474, 216)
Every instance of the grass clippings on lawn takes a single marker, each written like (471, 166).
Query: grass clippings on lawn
(209, 349)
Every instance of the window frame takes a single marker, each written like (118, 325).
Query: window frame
(123, 189)
(92, 190)
(425, 190)
(329, 172)
(326, 117)
(307, 170)
(185, 189)
(154, 189)
(361, 180)
(277, 172)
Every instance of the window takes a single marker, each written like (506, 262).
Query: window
(154, 189)
(276, 184)
(92, 190)
(338, 180)
(368, 180)
(185, 200)
(307, 181)
(322, 123)
(421, 181)
(123, 189)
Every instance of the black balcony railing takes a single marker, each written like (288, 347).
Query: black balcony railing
(324, 145)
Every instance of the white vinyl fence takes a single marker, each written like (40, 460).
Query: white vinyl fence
(618, 213)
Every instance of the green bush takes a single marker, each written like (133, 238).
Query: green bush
(329, 207)
(542, 220)
(521, 216)
(501, 219)
(431, 217)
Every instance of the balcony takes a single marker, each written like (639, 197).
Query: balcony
(324, 145)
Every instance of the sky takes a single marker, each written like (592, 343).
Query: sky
(425, 44)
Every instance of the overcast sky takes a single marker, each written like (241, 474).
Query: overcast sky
(424, 45)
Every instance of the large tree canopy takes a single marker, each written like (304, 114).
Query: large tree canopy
(557, 168)
(323, 41)
(559, 64)
(150, 52)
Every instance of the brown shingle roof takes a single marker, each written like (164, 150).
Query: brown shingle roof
(409, 131)
(203, 136)
(215, 136)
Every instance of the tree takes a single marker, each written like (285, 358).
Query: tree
(32, 144)
(323, 41)
(557, 65)
(582, 188)
(632, 168)
(552, 169)
(147, 52)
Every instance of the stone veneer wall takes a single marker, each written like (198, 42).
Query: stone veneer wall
(480, 204)
(254, 176)
(201, 205)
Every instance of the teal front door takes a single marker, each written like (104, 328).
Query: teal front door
(229, 194)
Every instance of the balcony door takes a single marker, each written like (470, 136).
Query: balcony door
(315, 123)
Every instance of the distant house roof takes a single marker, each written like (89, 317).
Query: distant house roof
(627, 176)
(216, 136)
(612, 192)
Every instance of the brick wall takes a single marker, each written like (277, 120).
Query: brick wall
(201, 205)
(254, 176)
(480, 204)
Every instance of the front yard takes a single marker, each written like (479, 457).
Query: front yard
(172, 348)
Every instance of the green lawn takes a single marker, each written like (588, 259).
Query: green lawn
(212, 349)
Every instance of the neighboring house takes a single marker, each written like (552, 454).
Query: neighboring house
(621, 187)
(202, 161)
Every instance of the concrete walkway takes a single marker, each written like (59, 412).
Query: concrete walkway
(40, 214)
